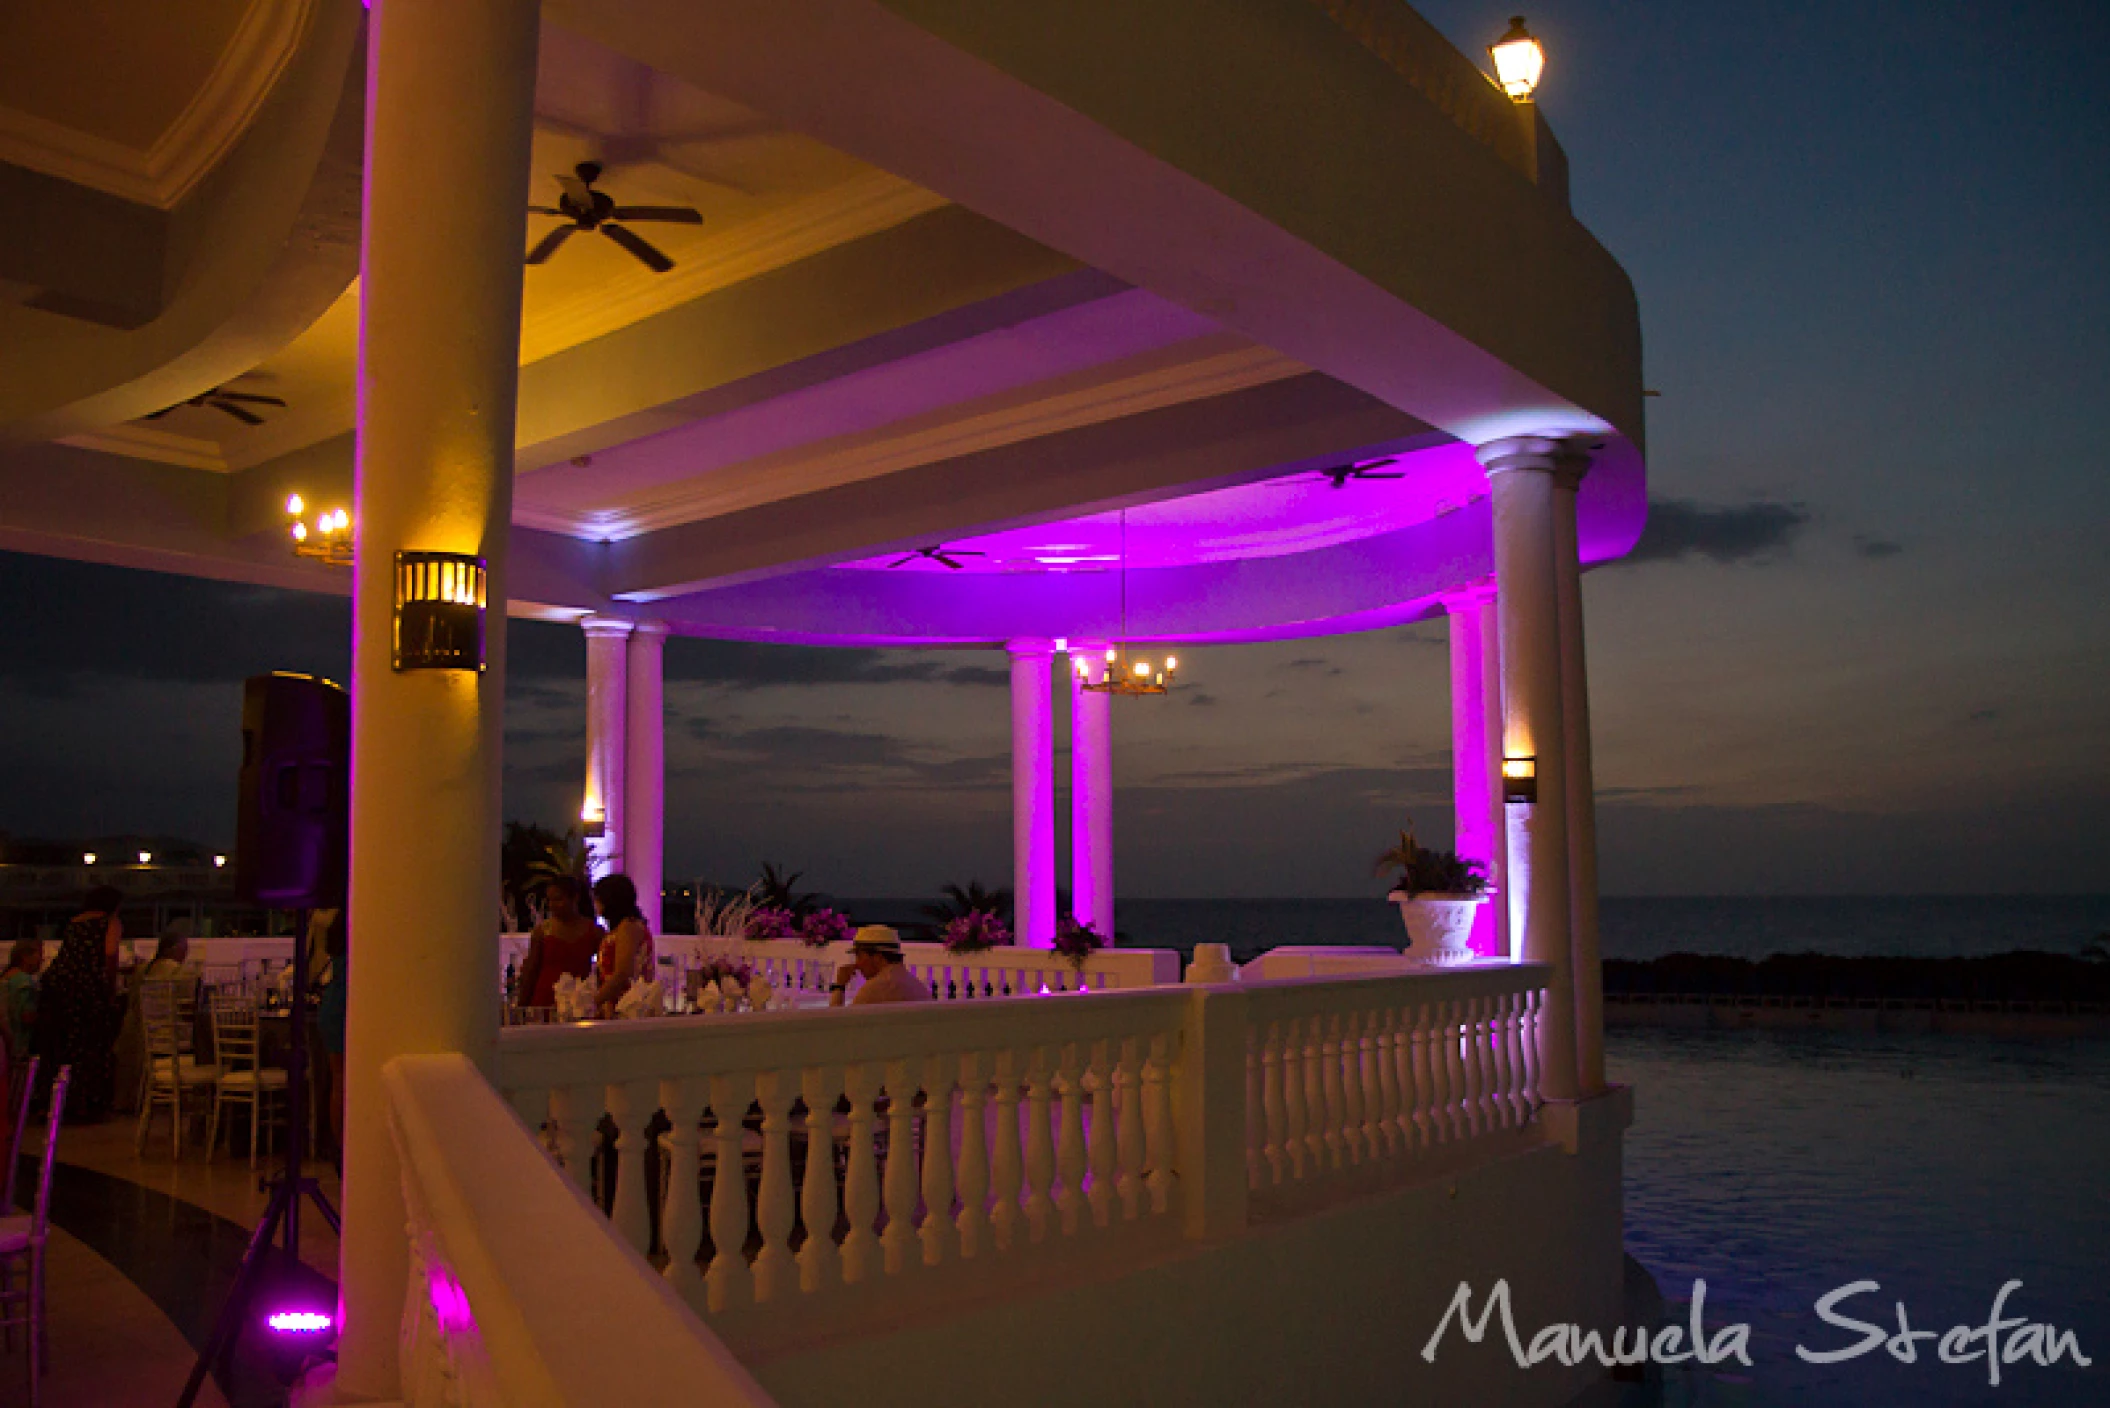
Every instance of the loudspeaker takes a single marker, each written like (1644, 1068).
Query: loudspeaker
(292, 846)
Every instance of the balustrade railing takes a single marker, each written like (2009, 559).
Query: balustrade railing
(806, 1158)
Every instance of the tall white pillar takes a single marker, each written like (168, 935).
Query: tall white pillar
(1581, 783)
(1475, 758)
(645, 767)
(1091, 791)
(450, 91)
(1520, 483)
(607, 716)
(1033, 792)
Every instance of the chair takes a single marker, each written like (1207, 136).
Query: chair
(172, 1072)
(242, 1077)
(22, 1238)
(21, 1089)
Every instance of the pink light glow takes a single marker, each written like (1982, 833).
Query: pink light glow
(298, 1322)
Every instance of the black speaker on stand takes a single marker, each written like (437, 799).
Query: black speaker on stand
(292, 852)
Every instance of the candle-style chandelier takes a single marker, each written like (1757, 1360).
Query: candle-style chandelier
(328, 541)
(1126, 674)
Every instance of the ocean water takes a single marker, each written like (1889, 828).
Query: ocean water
(1938, 926)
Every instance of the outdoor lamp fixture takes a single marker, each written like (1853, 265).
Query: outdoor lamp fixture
(328, 541)
(1520, 780)
(1124, 675)
(593, 821)
(146, 857)
(87, 857)
(439, 611)
(219, 862)
(1518, 61)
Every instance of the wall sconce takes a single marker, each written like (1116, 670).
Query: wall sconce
(1518, 61)
(329, 541)
(593, 821)
(439, 611)
(1520, 780)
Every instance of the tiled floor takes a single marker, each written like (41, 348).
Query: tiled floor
(143, 1250)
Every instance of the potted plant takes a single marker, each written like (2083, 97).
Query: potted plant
(1077, 942)
(976, 931)
(1438, 894)
(825, 926)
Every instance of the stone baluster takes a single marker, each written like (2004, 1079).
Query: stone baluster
(1470, 1108)
(940, 1233)
(1157, 1121)
(1429, 1128)
(1128, 1097)
(776, 1269)
(1534, 1014)
(973, 1221)
(1040, 1149)
(1376, 1124)
(819, 1264)
(568, 1109)
(1104, 1157)
(1295, 1121)
(1517, 1036)
(1488, 1081)
(1004, 1161)
(1255, 1114)
(1385, 1046)
(681, 1223)
(1457, 1107)
(630, 1106)
(1316, 1125)
(1498, 1061)
(860, 1250)
(1330, 1086)
(1069, 1143)
(728, 1282)
(1353, 1097)
(901, 1173)
(1274, 1115)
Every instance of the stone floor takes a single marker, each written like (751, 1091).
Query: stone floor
(144, 1248)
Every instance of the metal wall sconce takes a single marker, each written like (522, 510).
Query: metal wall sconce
(593, 821)
(1520, 780)
(1519, 61)
(439, 611)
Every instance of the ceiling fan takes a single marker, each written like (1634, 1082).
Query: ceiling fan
(235, 403)
(1340, 474)
(589, 209)
(940, 554)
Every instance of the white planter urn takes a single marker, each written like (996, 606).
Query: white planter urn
(1439, 926)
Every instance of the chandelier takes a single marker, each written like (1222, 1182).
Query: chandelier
(328, 541)
(1126, 674)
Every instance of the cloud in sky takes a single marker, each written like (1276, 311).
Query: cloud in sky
(1757, 532)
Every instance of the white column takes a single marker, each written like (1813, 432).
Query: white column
(607, 680)
(645, 767)
(1475, 797)
(1520, 484)
(1091, 790)
(1033, 792)
(450, 91)
(1581, 783)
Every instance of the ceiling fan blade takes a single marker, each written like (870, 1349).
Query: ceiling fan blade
(250, 396)
(651, 258)
(544, 210)
(575, 190)
(943, 561)
(668, 214)
(1381, 474)
(245, 417)
(900, 560)
(549, 243)
(157, 415)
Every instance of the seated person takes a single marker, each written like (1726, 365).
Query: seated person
(875, 953)
(170, 952)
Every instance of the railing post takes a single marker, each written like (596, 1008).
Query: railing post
(1209, 1112)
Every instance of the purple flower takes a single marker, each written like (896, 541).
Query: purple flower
(824, 927)
(1077, 942)
(772, 922)
(973, 932)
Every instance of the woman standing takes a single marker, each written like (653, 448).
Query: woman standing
(564, 942)
(627, 954)
(78, 1009)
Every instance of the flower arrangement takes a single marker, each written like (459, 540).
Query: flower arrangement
(716, 970)
(1077, 942)
(974, 932)
(1423, 871)
(772, 921)
(823, 927)
(723, 916)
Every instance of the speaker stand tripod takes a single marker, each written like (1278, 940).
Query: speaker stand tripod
(282, 1212)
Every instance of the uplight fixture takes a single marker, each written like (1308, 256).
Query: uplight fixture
(439, 611)
(328, 540)
(1518, 61)
(1520, 780)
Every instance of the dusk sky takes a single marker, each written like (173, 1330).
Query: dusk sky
(1864, 646)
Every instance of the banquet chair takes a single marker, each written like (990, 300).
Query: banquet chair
(21, 1089)
(243, 1078)
(22, 1238)
(172, 1070)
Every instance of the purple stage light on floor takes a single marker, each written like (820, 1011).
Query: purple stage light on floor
(298, 1322)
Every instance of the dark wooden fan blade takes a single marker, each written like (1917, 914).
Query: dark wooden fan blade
(895, 563)
(237, 412)
(942, 560)
(651, 258)
(157, 415)
(250, 396)
(549, 243)
(1382, 474)
(544, 210)
(668, 214)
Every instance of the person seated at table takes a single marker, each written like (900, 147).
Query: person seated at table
(627, 954)
(875, 955)
(18, 995)
(170, 953)
(564, 942)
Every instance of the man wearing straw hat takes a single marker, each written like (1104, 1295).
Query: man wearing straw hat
(875, 953)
